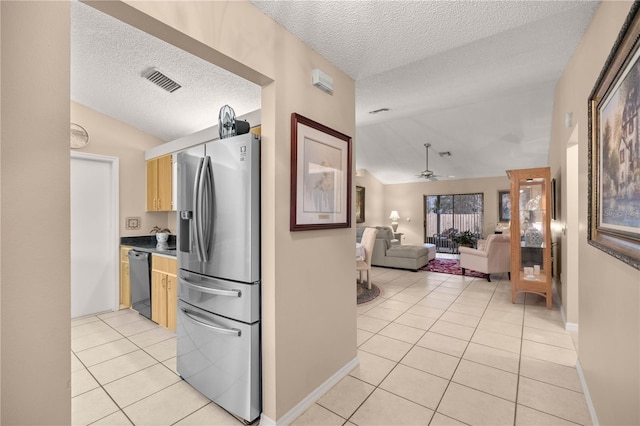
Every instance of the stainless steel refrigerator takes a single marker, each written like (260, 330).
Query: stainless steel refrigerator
(218, 249)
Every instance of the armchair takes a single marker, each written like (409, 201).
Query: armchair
(493, 255)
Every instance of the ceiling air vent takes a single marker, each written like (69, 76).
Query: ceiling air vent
(161, 80)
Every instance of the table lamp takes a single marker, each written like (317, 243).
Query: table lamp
(394, 220)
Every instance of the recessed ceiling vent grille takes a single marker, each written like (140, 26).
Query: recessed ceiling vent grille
(161, 80)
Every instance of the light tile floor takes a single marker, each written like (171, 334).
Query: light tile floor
(433, 348)
(123, 372)
(439, 349)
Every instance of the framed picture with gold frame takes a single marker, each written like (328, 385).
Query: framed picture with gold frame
(360, 204)
(614, 149)
(504, 206)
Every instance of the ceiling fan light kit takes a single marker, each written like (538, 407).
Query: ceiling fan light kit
(426, 173)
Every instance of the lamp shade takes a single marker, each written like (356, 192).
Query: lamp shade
(394, 215)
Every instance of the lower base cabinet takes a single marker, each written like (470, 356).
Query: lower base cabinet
(125, 283)
(164, 291)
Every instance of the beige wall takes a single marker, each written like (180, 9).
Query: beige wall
(609, 321)
(117, 139)
(34, 222)
(308, 334)
(408, 200)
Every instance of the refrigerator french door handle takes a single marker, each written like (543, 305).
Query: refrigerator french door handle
(202, 220)
(221, 330)
(196, 209)
(206, 191)
(230, 293)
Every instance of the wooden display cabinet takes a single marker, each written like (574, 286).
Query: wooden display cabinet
(531, 232)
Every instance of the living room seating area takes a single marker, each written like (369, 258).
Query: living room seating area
(390, 252)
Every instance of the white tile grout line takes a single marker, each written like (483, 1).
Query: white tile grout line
(415, 344)
(101, 385)
(524, 308)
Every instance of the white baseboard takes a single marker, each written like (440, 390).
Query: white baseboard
(587, 396)
(310, 399)
(266, 421)
(569, 326)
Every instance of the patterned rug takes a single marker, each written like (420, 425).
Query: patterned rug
(365, 295)
(450, 266)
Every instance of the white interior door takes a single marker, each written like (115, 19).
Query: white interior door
(94, 234)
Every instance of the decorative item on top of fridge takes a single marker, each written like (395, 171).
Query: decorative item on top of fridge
(228, 126)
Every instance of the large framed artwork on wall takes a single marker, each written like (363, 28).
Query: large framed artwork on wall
(614, 149)
(320, 176)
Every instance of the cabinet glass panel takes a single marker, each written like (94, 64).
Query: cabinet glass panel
(532, 229)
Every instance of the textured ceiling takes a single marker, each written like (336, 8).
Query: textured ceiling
(108, 59)
(475, 78)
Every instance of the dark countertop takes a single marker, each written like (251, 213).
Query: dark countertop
(148, 243)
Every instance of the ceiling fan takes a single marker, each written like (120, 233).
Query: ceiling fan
(426, 173)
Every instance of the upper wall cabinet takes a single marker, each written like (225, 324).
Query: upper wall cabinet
(160, 184)
(531, 232)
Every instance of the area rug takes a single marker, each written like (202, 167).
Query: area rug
(450, 266)
(367, 295)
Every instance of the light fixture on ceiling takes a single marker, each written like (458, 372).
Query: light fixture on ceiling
(161, 80)
(322, 81)
(394, 220)
(375, 111)
(445, 153)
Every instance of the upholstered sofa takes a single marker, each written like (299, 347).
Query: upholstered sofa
(391, 253)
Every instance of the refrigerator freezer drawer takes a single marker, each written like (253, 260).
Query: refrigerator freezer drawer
(227, 298)
(221, 359)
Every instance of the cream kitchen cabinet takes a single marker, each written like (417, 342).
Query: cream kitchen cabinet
(164, 291)
(160, 184)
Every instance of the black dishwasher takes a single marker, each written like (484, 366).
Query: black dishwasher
(140, 280)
